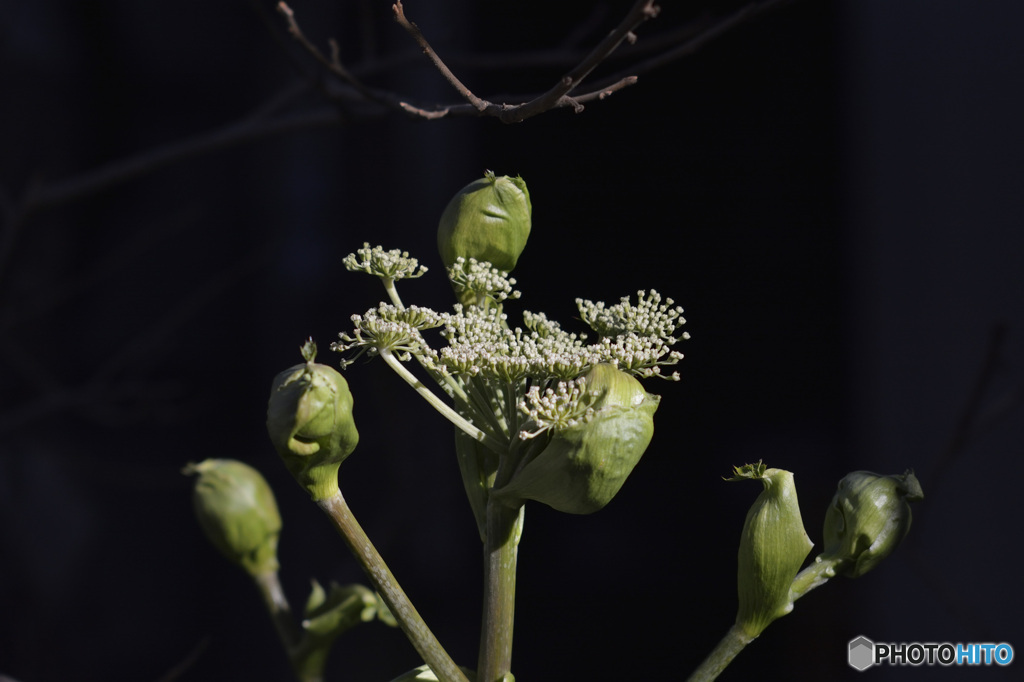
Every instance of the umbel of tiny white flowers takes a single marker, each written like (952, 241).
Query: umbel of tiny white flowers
(505, 381)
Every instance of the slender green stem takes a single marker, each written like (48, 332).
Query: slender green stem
(441, 406)
(501, 548)
(815, 575)
(389, 287)
(390, 591)
(277, 605)
(307, 664)
(721, 656)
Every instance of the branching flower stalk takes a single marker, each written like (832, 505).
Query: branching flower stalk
(540, 414)
(511, 390)
(867, 519)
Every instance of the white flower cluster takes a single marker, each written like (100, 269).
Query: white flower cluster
(635, 338)
(481, 342)
(387, 327)
(483, 279)
(649, 317)
(565, 406)
(393, 264)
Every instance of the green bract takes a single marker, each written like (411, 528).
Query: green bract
(489, 220)
(237, 511)
(867, 518)
(588, 458)
(309, 419)
(772, 548)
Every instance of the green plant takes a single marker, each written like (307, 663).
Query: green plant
(540, 414)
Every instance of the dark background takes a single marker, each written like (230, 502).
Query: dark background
(832, 191)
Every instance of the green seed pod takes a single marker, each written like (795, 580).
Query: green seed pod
(489, 220)
(584, 466)
(237, 511)
(309, 419)
(773, 546)
(867, 518)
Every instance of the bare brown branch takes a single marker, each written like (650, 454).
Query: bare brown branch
(479, 104)
(352, 92)
(558, 95)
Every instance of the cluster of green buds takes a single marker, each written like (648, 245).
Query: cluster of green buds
(867, 519)
(309, 420)
(236, 509)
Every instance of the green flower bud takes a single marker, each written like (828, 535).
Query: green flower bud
(237, 511)
(867, 518)
(773, 546)
(309, 419)
(586, 462)
(489, 220)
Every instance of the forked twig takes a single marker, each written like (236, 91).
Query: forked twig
(558, 95)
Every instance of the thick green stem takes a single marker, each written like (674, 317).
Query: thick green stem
(390, 591)
(501, 547)
(721, 656)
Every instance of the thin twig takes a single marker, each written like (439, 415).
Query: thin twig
(183, 665)
(640, 13)
(43, 196)
(968, 421)
(417, 35)
(557, 96)
(333, 64)
(49, 196)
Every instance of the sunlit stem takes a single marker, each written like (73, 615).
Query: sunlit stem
(307, 664)
(721, 656)
(440, 405)
(396, 300)
(501, 549)
(815, 575)
(390, 591)
(389, 286)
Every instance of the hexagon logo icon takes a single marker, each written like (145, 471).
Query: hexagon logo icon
(861, 653)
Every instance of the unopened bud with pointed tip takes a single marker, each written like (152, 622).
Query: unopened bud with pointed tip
(309, 420)
(868, 518)
(773, 546)
(237, 511)
(489, 220)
